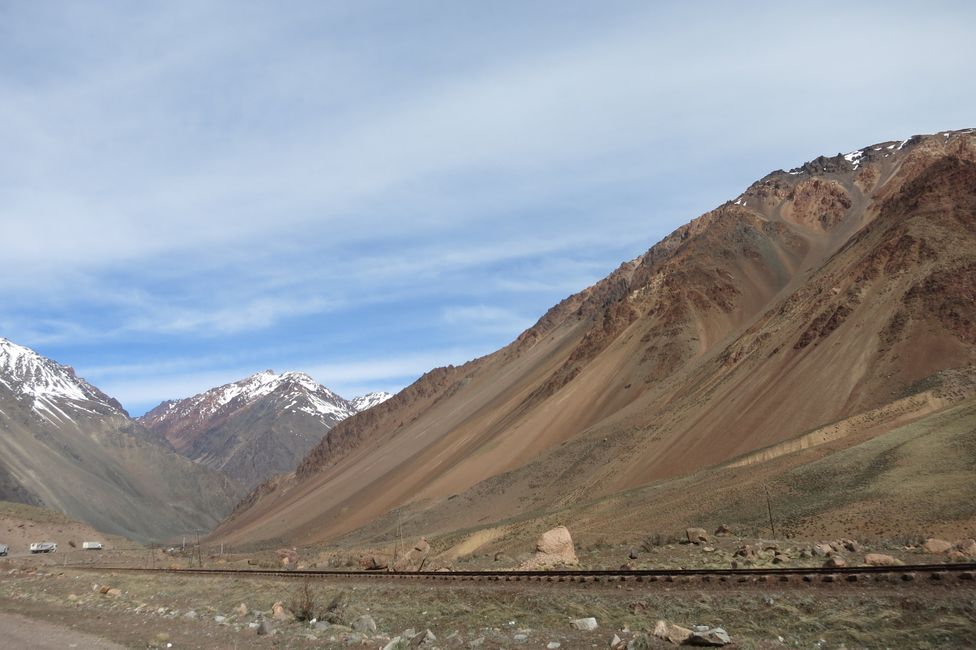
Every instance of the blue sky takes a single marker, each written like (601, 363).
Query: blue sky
(194, 191)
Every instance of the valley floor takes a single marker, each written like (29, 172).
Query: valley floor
(223, 612)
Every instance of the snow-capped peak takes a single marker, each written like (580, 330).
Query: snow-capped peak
(296, 390)
(50, 386)
(369, 400)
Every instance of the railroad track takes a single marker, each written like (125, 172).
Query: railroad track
(948, 573)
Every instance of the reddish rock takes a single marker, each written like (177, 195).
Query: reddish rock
(880, 559)
(936, 546)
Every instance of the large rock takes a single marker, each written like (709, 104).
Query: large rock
(280, 613)
(584, 624)
(702, 635)
(374, 562)
(936, 546)
(287, 556)
(553, 548)
(415, 559)
(967, 547)
(880, 559)
(696, 535)
(670, 632)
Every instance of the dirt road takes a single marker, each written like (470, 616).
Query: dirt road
(20, 632)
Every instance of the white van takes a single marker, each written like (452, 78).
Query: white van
(43, 547)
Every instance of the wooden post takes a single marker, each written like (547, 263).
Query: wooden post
(769, 511)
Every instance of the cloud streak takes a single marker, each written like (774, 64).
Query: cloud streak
(236, 183)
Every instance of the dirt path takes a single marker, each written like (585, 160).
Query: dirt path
(20, 632)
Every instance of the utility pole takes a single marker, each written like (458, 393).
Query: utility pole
(769, 510)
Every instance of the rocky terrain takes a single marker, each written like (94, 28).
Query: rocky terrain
(817, 320)
(69, 447)
(254, 428)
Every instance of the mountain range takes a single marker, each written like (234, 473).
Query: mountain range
(805, 332)
(69, 447)
(254, 428)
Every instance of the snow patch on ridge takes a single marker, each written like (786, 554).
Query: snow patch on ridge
(369, 400)
(50, 386)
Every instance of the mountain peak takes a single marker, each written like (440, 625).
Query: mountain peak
(50, 386)
(369, 400)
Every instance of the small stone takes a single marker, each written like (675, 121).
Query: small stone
(477, 643)
(835, 562)
(162, 637)
(190, 615)
(616, 643)
(696, 535)
(851, 545)
(220, 620)
(365, 624)
(520, 638)
(394, 644)
(585, 624)
(723, 529)
(263, 628)
(553, 645)
(114, 592)
(633, 554)
(241, 610)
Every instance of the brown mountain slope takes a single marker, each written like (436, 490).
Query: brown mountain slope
(816, 295)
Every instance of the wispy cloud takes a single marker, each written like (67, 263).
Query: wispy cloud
(368, 180)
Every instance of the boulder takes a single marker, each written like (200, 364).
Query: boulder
(879, 559)
(702, 635)
(616, 643)
(415, 558)
(280, 613)
(821, 549)
(553, 548)
(374, 562)
(114, 592)
(287, 556)
(956, 556)
(835, 562)
(936, 546)
(585, 624)
(745, 551)
(851, 545)
(696, 535)
(967, 547)
(670, 632)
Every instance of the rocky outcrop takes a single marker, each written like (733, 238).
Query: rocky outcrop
(554, 548)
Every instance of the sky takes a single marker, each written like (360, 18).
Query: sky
(191, 192)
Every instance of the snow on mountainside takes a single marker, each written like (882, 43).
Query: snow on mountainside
(52, 388)
(252, 428)
(369, 400)
(299, 392)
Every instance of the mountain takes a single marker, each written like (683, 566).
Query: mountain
(369, 400)
(252, 428)
(68, 446)
(817, 314)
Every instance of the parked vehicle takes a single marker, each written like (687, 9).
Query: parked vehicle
(43, 547)
(3, 550)
(91, 546)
